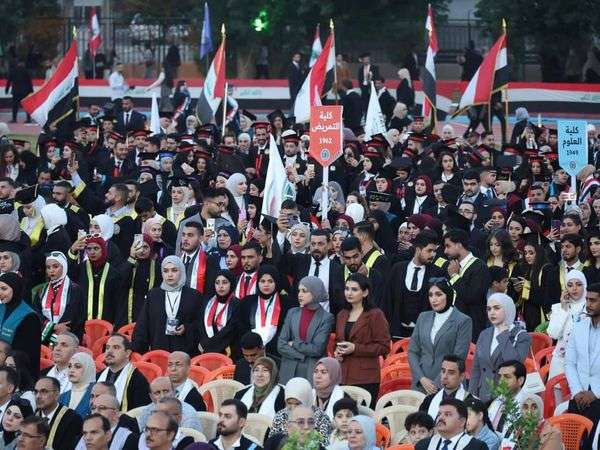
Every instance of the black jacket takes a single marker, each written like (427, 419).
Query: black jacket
(475, 444)
(353, 112)
(67, 424)
(20, 82)
(74, 311)
(228, 336)
(137, 121)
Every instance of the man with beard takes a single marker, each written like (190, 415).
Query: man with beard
(251, 258)
(77, 218)
(259, 154)
(232, 419)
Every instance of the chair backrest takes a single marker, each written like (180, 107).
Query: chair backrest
(572, 427)
(544, 370)
(397, 370)
(396, 415)
(257, 426)
(135, 412)
(45, 363)
(359, 395)
(195, 434)
(401, 397)
(366, 411)
(383, 436)
(98, 346)
(549, 393)
(158, 357)
(544, 356)
(400, 346)
(539, 341)
(219, 391)
(198, 374)
(209, 423)
(222, 373)
(396, 358)
(529, 365)
(402, 447)
(45, 352)
(394, 385)
(211, 361)
(331, 345)
(148, 369)
(127, 330)
(95, 329)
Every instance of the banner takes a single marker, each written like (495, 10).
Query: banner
(326, 134)
(572, 145)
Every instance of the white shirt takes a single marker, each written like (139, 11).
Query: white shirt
(323, 270)
(465, 260)
(219, 443)
(62, 377)
(51, 414)
(172, 300)
(494, 343)
(453, 441)
(410, 270)
(438, 320)
(117, 84)
(419, 200)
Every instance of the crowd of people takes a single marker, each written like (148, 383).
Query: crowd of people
(456, 248)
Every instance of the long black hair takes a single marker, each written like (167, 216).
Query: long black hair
(365, 285)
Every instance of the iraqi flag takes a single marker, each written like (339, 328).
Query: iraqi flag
(491, 76)
(213, 91)
(277, 186)
(317, 83)
(58, 98)
(429, 78)
(94, 30)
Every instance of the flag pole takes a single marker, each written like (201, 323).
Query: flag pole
(335, 81)
(226, 89)
(505, 91)
(490, 115)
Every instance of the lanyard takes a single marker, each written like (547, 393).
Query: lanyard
(173, 304)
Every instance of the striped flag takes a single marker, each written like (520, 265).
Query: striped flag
(213, 90)
(206, 45)
(429, 78)
(277, 186)
(316, 49)
(95, 37)
(318, 81)
(491, 76)
(58, 98)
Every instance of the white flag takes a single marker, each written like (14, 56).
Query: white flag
(316, 49)
(277, 186)
(375, 122)
(154, 117)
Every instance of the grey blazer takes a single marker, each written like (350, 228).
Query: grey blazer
(425, 357)
(513, 344)
(299, 359)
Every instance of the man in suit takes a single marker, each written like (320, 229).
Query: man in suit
(352, 103)
(450, 429)
(470, 278)
(408, 285)
(472, 192)
(366, 73)
(129, 119)
(20, 82)
(386, 101)
(9, 381)
(477, 237)
(232, 419)
(372, 256)
(161, 431)
(178, 367)
(65, 424)
(196, 261)
(67, 344)
(33, 433)
(582, 361)
(173, 407)
(295, 76)
(96, 432)
(513, 373)
(122, 438)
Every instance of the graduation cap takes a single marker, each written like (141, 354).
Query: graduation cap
(370, 154)
(139, 133)
(26, 195)
(117, 136)
(19, 142)
(275, 114)
(377, 141)
(289, 122)
(416, 137)
(7, 206)
(83, 123)
(418, 119)
(72, 145)
(504, 174)
(226, 149)
(179, 182)
(149, 169)
(166, 154)
(203, 154)
(203, 134)
(185, 146)
(401, 163)
(290, 136)
(388, 172)
(147, 156)
(261, 126)
(249, 115)
(383, 197)
(506, 161)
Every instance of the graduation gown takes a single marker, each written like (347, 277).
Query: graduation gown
(188, 393)
(136, 390)
(140, 277)
(227, 336)
(74, 311)
(20, 327)
(149, 331)
(65, 429)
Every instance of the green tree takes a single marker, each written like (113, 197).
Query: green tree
(548, 27)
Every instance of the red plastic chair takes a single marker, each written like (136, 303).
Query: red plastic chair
(544, 356)
(331, 345)
(469, 364)
(544, 370)
(198, 374)
(539, 341)
(396, 358)
(95, 329)
(402, 447)
(46, 363)
(158, 357)
(573, 428)
(211, 361)
(98, 346)
(394, 385)
(383, 437)
(222, 373)
(549, 395)
(149, 370)
(45, 352)
(390, 373)
(472, 348)
(127, 330)
(400, 346)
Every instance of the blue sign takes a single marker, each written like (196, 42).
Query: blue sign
(572, 145)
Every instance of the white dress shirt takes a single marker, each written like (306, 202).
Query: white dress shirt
(438, 320)
(323, 270)
(410, 270)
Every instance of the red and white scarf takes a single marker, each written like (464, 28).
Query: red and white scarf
(240, 292)
(266, 317)
(58, 296)
(216, 313)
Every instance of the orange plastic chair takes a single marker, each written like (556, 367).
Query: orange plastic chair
(95, 329)
(469, 364)
(45, 352)
(397, 370)
(222, 373)
(331, 345)
(400, 346)
(472, 348)
(549, 397)
(383, 436)
(198, 374)
(46, 363)
(402, 447)
(98, 346)
(211, 361)
(573, 428)
(394, 385)
(127, 330)
(544, 356)
(530, 365)
(539, 341)
(396, 358)
(158, 357)
(544, 370)
(149, 370)
(86, 350)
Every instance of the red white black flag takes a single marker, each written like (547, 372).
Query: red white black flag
(429, 78)
(58, 98)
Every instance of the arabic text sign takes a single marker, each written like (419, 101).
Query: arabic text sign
(325, 134)
(572, 145)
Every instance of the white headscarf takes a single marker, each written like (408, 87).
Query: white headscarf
(510, 311)
(54, 216)
(579, 276)
(62, 260)
(175, 260)
(89, 372)
(106, 225)
(232, 183)
(356, 211)
(299, 389)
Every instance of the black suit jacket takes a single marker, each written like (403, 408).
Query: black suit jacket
(387, 103)
(137, 121)
(68, 429)
(471, 290)
(195, 399)
(295, 79)
(226, 337)
(475, 444)
(353, 109)
(245, 444)
(361, 76)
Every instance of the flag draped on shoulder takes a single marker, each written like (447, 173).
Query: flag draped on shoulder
(95, 37)
(58, 98)
(375, 121)
(491, 76)
(316, 49)
(429, 77)
(318, 81)
(206, 45)
(277, 186)
(154, 115)
(213, 90)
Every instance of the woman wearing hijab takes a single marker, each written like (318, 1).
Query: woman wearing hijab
(103, 225)
(503, 341)
(298, 392)
(29, 213)
(362, 434)
(20, 362)
(442, 331)
(100, 280)
(182, 197)
(233, 261)
(57, 237)
(297, 239)
(9, 262)
(16, 410)
(227, 235)
(550, 437)
(264, 395)
(60, 302)
(327, 378)
(564, 315)
(218, 330)
(237, 185)
(420, 199)
(264, 312)
(19, 324)
(153, 227)
(305, 332)
(170, 315)
(141, 272)
(82, 375)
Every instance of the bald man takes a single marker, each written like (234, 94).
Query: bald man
(160, 388)
(178, 370)
(302, 421)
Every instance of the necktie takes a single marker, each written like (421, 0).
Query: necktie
(246, 284)
(127, 118)
(317, 266)
(415, 279)
(446, 445)
(569, 269)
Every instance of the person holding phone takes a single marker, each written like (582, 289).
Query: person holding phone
(362, 336)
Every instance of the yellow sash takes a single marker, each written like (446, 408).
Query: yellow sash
(54, 427)
(90, 305)
(371, 259)
(35, 233)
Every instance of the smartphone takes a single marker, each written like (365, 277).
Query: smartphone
(293, 219)
(310, 167)
(138, 239)
(72, 160)
(210, 224)
(556, 224)
(81, 234)
(57, 153)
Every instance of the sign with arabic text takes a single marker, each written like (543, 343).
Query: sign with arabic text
(572, 145)
(325, 134)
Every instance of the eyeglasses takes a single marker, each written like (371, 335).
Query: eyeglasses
(93, 236)
(102, 408)
(27, 435)
(154, 430)
(43, 391)
(303, 422)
